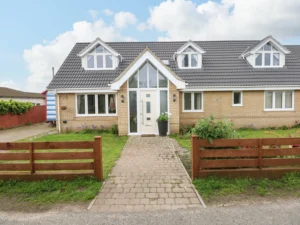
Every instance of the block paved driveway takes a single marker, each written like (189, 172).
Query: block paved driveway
(148, 176)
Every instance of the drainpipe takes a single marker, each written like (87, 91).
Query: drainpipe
(58, 112)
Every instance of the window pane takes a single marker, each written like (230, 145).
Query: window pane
(133, 81)
(152, 76)
(90, 61)
(101, 104)
(133, 111)
(274, 49)
(143, 77)
(99, 61)
(288, 99)
(91, 104)
(163, 82)
(237, 98)
(276, 59)
(111, 104)
(267, 47)
(258, 59)
(197, 101)
(80, 104)
(109, 61)
(278, 100)
(267, 59)
(268, 100)
(189, 49)
(99, 49)
(148, 107)
(187, 101)
(163, 101)
(185, 60)
(194, 60)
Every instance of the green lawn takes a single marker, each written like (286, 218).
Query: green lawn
(81, 189)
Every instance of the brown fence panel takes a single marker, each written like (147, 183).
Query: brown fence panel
(266, 157)
(39, 165)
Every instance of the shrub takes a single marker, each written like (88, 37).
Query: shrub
(115, 129)
(209, 128)
(163, 117)
(186, 130)
(14, 107)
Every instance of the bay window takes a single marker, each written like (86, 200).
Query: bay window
(193, 102)
(96, 104)
(279, 100)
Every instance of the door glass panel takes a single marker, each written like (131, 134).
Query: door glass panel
(91, 104)
(111, 104)
(163, 101)
(163, 82)
(187, 101)
(101, 104)
(80, 104)
(133, 81)
(148, 107)
(152, 76)
(143, 77)
(133, 111)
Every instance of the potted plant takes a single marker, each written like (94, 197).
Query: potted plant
(162, 121)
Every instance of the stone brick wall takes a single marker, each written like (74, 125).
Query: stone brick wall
(74, 123)
(174, 109)
(123, 110)
(252, 112)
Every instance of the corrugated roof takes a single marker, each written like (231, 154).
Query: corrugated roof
(222, 66)
(12, 93)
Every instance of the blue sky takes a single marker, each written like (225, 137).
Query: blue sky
(25, 24)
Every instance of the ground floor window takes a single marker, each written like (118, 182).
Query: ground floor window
(96, 104)
(192, 101)
(237, 98)
(279, 100)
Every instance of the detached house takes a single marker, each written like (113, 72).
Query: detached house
(131, 83)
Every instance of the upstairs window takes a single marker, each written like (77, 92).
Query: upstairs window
(189, 58)
(267, 56)
(100, 58)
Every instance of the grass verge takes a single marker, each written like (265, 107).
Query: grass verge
(80, 189)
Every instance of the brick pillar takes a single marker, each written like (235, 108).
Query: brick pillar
(123, 110)
(174, 109)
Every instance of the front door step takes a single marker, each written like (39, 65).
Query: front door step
(148, 135)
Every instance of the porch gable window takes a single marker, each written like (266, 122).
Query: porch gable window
(192, 102)
(96, 105)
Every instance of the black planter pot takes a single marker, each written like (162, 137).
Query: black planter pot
(162, 128)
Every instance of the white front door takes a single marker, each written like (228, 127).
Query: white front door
(148, 107)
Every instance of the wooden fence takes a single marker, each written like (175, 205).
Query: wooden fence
(265, 157)
(58, 160)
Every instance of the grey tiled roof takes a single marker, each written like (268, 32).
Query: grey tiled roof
(222, 66)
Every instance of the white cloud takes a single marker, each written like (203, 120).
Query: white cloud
(107, 12)
(42, 57)
(10, 84)
(230, 19)
(123, 19)
(94, 13)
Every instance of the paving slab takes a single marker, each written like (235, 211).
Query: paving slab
(148, 176)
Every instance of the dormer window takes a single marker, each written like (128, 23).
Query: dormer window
(190, 58)
(99, 58)
(267, 56)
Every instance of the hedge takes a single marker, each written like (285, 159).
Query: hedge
(14, 107)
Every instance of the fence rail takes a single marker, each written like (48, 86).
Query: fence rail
(261, 157)
(26, 161)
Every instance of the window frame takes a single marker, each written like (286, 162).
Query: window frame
(189, 54)
(283, 101)
(263, 52)
(96, 105)
(240, 104)
(192, 101)
(103, 54)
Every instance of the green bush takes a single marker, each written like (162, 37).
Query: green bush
(115, 129)
(209, 128)
(163, 117)
(14, 107)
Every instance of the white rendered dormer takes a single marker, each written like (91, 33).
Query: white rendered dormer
(269, 53)
(189, 56)
(99, 56)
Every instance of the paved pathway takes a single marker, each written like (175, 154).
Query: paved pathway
(147, 176)
(18, 133)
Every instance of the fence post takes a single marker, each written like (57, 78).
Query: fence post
(31, 153)
(195, 156)
(260, 154)
(98, 158)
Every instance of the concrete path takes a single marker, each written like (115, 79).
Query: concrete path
(18, 133)
(147, 176)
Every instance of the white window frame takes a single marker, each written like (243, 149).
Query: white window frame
(104, 54)
(96, 105)
(192, 101)
(283, 101)
(263, 52)
(240, 104)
